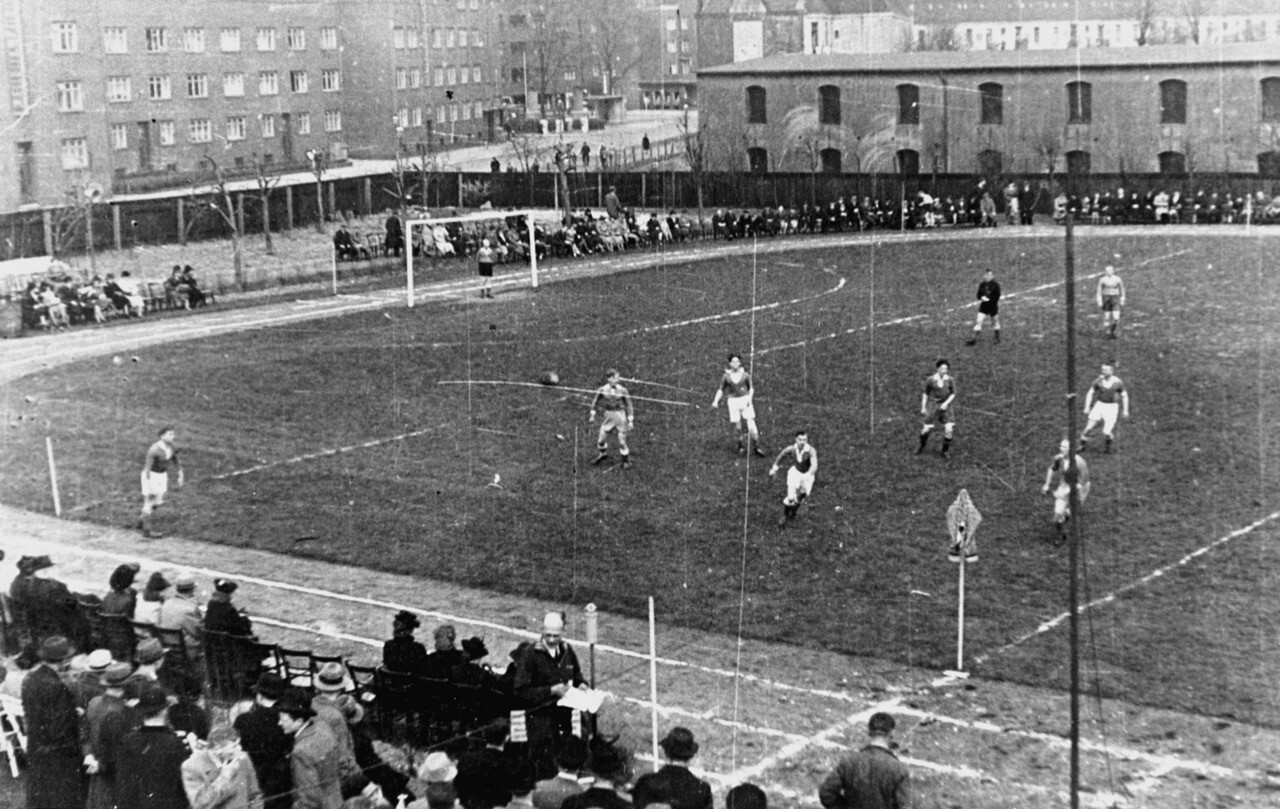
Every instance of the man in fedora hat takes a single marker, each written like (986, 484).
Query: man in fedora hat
(545, 673)
(151, 757)
(571, 757)
(330, 683)
(674, 784)
(266, 742)
(107, 720)
(55, 778)
(609, 764)
(402, 653)
(315, 759)
(871, 778)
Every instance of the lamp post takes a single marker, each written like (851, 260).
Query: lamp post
(316, 157)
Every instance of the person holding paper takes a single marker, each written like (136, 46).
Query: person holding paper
(545, 673)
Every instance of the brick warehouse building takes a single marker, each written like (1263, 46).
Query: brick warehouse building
(101, 89)
(1172, 109)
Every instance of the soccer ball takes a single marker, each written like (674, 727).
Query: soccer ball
(551, 378)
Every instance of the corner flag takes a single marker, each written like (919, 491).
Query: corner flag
(963, 519)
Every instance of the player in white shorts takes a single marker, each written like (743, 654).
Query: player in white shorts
(1055, 480)
(155, 478)
(735, 388)
(800, 477)
(1106, 400)
(619, 417)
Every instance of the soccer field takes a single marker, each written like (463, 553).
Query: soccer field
(422, 441)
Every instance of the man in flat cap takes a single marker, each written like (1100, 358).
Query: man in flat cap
(674, 784)
(183, 612)
(55, 778)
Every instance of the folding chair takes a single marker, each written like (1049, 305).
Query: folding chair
(296, 667)
(13, 731)
(366, 689)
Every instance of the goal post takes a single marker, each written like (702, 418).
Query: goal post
(427, 224)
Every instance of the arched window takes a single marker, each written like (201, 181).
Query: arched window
(992, 103)
(830, 161)
(1079, 102)
(908, 104)
(1271, 99)
(1173, 163)
(756, 110)
(1079, 164)
(990, 163)
(829, 104)
(1173, 101)
(908, 162)
(758, 160)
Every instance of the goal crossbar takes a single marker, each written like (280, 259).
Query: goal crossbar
(486, 216)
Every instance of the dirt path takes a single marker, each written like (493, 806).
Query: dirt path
(768, 713)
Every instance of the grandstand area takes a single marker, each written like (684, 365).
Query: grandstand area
(369, 446)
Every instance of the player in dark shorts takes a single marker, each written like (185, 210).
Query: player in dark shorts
(988, 307)
(935, 406)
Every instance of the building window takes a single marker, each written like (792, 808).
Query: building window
(330, 80)
(298, 81)
(333, 120)
(233, 85)
(167, 133)
(466, 112)
(464, 74)
(830, 161)
(70, 96)
(908, 162)
(266, 39)
(158, 88)
(441, 115)
(119, 136)
(268, 126)
(199, 130)
(451, 38)
(437, 38)
(1271, 99)
(115, 40)
(758, 160)
(268, 83)
(411, 38)
(1079, 164)
(908, 105)
(451, 76)
(66, 37)
(402, 78)
(119, 89)
(990, 163)
(1269, 165)
(417, 116)
(1173, 102)
(477, 41)
(992, 103)
(1079, 102)
(415, 78)
(476, 76)
(439, 75)
(296, 39)
(304, 123)
(397, 38)
(235, 127)
(402, 117)
(328, 39)
(479, 109)
(757, 112)
(829, 104)
(157, 40)
(193, 40)
(453, 112)
(462, 38)
(230, 40)
(197, 85)
(75, 153)
(1173, 163)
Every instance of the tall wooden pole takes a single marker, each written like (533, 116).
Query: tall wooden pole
(1073, 524)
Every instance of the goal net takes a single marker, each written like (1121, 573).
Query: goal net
(430, 230)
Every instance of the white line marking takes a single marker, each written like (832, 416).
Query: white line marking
(821, 737)
(1055, 622)
(324, 453)
(548, 387)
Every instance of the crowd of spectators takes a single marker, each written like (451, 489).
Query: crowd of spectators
(58, 300)
(139, 725)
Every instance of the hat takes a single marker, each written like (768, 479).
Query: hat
(123, 576)
(157, 583)
(55, 649)
(553, 622)
(149, 651)
(34, 563)
(332, 677)
(225, 586)
(475, 648)
(351, 708)
(406, 619)
(152, 698)
(437, 768)
(679, 744)
(185, 582)
(270, 685)
(99, 659)
(881, 724)
(116, 673)
(605, 759)
(295, 703)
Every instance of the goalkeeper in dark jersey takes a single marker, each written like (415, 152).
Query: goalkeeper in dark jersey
(619, 416)
(735, 387)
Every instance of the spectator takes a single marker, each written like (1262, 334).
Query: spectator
(437, 771)
(175, 289)
(484, 775)
(16, 675)
(495, 165)
(220, 615)
(604, 157)
(612, 205)
(473, 672)
(54, 759)
(123, 598)
(147, 611)
(871, 777)
(218, 773)
(586, 156)
(609, 765)
(85, 681)
(53, 308)
(746, 796)
(403, 653)
(266, 743)
(108, 719)
(987, 206)
(571, 756)
(441, 661)
(128, 285)
(1026, 201)
(330, 682)
(45, 604)
(315, 758)
(344, 246)
(393, 242)
(674, 784)
(182, 612)
(522, 782)
(644, 144)
(150, 659)
(195, 295)
(544, 673)
(150, 760)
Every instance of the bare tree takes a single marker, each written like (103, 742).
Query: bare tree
(1193, 10)
(67, 221)
(219, 201)
(1045, 142)
(266, 184)
(552, 42)
(618, 36)
(1146, 19)
(696, 150)
(318, 161)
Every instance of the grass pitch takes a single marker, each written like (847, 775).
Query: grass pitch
(421, 441)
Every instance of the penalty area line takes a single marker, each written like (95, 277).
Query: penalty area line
(328, 453)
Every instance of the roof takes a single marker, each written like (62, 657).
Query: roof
(965, 61)
(756, 7)
(950, 12)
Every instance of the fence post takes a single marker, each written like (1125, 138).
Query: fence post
(240, 213)
(115, 226)
(46, 219)
(459, 189)
(368, 196)
(288, 207)
(331, 209)
(182, 221)
(644, 190)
